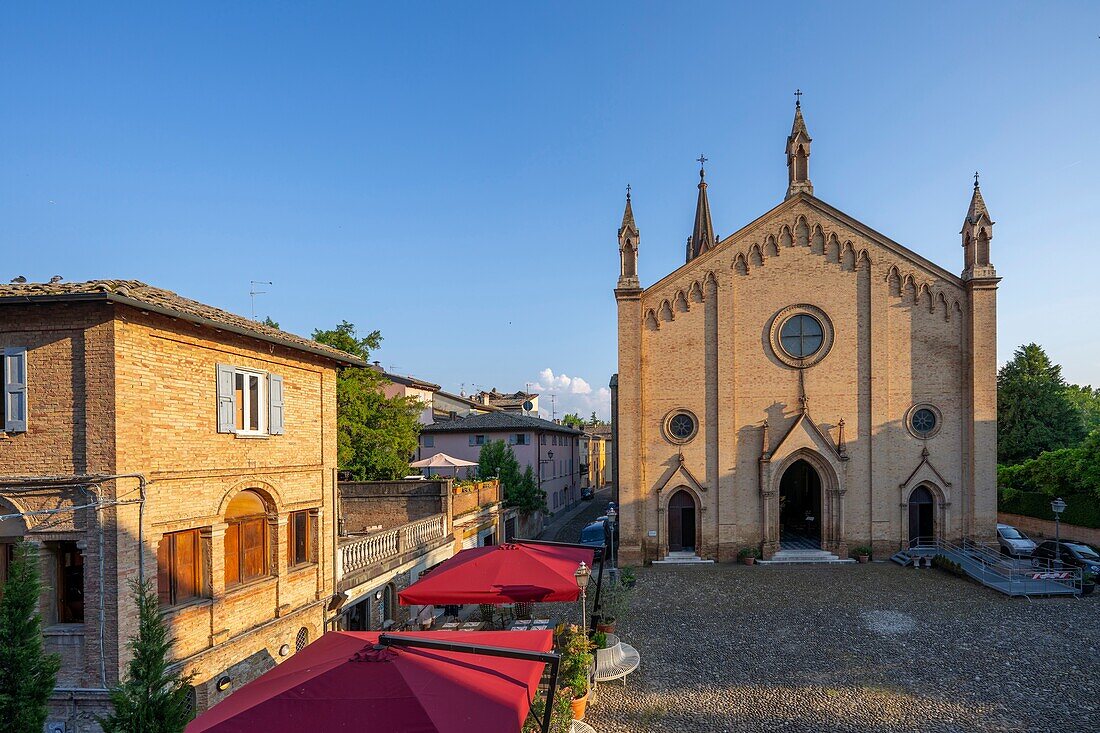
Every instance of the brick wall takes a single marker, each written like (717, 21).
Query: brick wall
(1040, 529)
(388, 504)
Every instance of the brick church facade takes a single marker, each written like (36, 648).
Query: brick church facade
(805, 382)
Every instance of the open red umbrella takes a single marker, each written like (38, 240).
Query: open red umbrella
(346, 681)
(511, 573)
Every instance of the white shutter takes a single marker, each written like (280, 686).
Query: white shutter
(274, 404)
(15, 389)
(227, 408)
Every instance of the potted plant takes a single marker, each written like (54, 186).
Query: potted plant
(561, 719)
(575, 666)
(748, 555)
(1088, 583)
(626, 575)
(862, 553)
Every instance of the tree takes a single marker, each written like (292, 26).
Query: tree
(1087, 401)
(573, 420)
(521, 490)
(152, 699)
(376, 435)
(595, 421)
(27, 673)
(1034, 413)
(269, 321)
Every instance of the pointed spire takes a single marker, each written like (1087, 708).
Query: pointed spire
(977, 231)
(798, 152)
(702, 236)
(628, 216)
(977, 205)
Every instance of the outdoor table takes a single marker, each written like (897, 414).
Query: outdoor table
(462, 626)
(538, 624)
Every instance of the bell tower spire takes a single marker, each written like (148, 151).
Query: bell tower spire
(977, 232)
(798, 152)
(629, 236)
(702, 236)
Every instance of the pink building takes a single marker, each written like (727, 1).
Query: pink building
(551, 450)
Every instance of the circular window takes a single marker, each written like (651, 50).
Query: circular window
(923, 421)
(801, 335)
(680, 426)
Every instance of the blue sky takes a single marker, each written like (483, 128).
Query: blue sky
(453, 174)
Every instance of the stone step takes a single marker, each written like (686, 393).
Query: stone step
(834, 560)
(680, 558)
(902, 558)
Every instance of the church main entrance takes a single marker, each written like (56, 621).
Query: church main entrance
(681, 522)
(800, 508)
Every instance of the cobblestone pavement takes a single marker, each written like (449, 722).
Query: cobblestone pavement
(859, 648)
(571, 530)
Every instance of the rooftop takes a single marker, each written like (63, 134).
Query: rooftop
(137, 294)
(497, 422)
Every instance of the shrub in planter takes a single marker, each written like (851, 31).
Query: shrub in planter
(626, 576)
(862, 553)
(561, 719)
(1088, 583)
(614, 603)
(599, 640)
(749, 555)
(576, 663)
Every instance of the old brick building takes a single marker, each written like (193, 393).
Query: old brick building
(805, 382)
(199, 444)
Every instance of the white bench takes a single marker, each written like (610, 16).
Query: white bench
(579, 726)
(616, 661)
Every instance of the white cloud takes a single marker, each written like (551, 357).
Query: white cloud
(570, 394)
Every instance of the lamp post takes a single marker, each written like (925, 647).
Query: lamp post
(1057, 506)
(612, 515)
(582, 575)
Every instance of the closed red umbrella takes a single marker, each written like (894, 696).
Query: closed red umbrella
(512, 573)
(345, 681)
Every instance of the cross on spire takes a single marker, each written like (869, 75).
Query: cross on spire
(975, 179)
(797, 97)
(628, 192)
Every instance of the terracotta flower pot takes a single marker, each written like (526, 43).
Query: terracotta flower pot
(578, 704)
(607, 627)
(750, 560)
(864, 558)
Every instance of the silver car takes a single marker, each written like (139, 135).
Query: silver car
(1013, 542)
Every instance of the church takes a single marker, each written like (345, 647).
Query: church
(805, 384)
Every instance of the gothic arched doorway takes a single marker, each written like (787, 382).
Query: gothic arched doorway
(681, 522)
(922, 513)
(800, 508)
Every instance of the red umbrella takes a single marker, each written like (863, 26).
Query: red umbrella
(345, 681)
(512, 573)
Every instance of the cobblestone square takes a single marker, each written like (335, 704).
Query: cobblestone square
(866, 648)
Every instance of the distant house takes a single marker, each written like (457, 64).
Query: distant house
(595, 458)
(551, 450)
(525, 403)
(437, 404)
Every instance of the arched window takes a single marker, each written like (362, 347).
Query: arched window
(301, 640)
(246, 539)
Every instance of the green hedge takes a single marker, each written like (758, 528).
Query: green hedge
(1081, 509)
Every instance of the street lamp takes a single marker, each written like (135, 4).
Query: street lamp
(1057, 506)
(612, 515)
(582, 575)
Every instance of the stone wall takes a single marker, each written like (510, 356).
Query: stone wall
(1040, 529)
(389, 504)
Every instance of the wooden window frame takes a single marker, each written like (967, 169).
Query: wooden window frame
(173, 585)
(66, 609)
(243, 405)
(292, 559)
(237, 561)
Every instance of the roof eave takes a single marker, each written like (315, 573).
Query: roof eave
(199, 320)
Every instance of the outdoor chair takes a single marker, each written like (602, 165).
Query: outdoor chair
(616, 661)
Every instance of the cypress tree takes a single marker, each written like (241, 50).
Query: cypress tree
(27, 673)
(152, 699)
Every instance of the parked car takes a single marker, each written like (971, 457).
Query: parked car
(1073, 554)
(587, 493)
(593, 534)
(1013, 542)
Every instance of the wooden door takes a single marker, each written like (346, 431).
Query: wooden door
(681, 522)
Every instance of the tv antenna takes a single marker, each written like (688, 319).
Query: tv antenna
(253, 292)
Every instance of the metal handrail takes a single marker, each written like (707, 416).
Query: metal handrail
(990, 563)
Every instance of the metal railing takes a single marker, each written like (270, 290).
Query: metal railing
(362, 552)
(986, 565)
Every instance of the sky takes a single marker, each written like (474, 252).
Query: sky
(453, 174)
